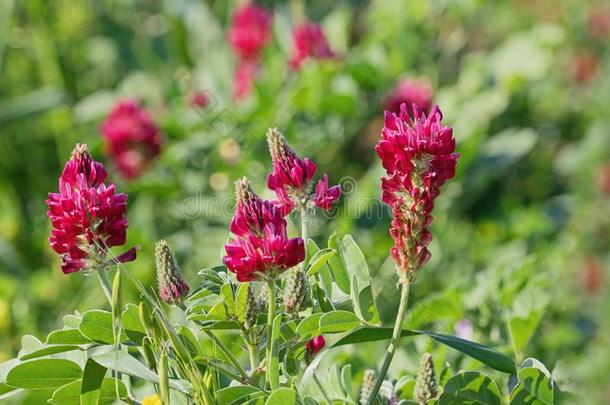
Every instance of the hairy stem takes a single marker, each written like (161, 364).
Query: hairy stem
(387, 360)
(253, 352)
(270, 317)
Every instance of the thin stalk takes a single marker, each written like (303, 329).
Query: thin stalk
(387, 360)
(270, 317)
(324, 394)
(105, 283)
(304, 219)
(253, 352)
(225, 350)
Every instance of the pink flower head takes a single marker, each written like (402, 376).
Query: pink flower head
(132, 138)
(172, 287)
(244, 79)
(309, 42)
(292, 176)
(410, 91)
(88, 217)
(198, 99)
(325, 197)
(261, 247)
(417, 153)
(250, 31)
(314, 346)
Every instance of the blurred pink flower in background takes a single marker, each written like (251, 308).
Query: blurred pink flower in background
(132, 139)
(198, 99)
(583, 67)
(598, 21)
(309, 41)
(249, 34)
(410, 91)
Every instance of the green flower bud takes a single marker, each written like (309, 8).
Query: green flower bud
(296, 291)
(252, 308)
(426, 387)
(172, 287)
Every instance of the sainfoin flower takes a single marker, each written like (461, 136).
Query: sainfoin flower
(309, 41)
(87, 215)
(244, 79)
(410, 91)
(172, 287)
(316, 344)
(291, 178)
(250, 31)
(132, 138)
(261, 247)
(417, 152)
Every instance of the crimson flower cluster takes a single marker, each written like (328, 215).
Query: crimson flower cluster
(132, 138)
(417, 152)
(410, 91)
(291, 178)
(261, 247)
(249, 34)
(87, 215)
(309, 41)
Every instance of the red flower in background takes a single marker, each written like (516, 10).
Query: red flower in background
(88, 217)
(198, 99)
(583, 67)
(250, 31)
(244, 79)
(417, 153)
(132, 138)
(261, 247)
(292, 176)
(314, 346)
(410, 91)
(598, 21)
(249, 34)
(309, 42)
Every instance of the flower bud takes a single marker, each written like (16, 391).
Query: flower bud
(314, 346)
(252, 308)
(263, 297)
(172, 287)
(425, 386)
(368, 381)
(296, 291)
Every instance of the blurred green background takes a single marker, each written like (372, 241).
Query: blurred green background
(520, 252)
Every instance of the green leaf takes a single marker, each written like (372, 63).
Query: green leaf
(132, 324)
(535, 384)
(226, 292)
(318, 260)
(282, 396)
(69, 394)
(470, 388)
(360, 290)
(67, 336)
(242, 301)
(217, 313)
(309, 327)
(43, 374)
(237, 393)
(211, 274)
(484, 354)
(338, 321)
(47, 350)
(339, 272)
(124, 363)
(274, 367)
(97, 326)
(91, 385)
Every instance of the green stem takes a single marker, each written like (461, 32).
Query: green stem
(304, 227)
(270, 318)
(227, 353)
(105, 283)
(324, 394)
(402, 309)
(253, 352)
